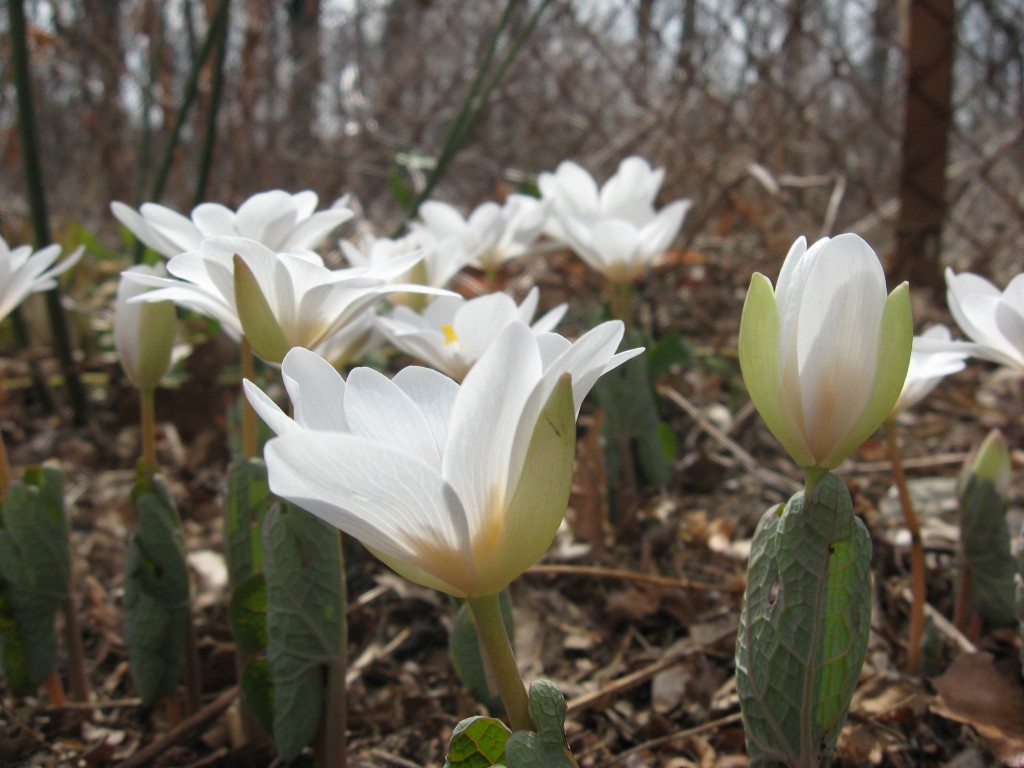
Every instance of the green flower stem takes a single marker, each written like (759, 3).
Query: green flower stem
(331, 746)
(620, 301)
(918, 587)
(811, 477)
(491, 273)
(34, 192)
(73, 643)
(55, 690)
(250, 448)
(147, 427)
(193, 683)
(491, 628)
(5, 470)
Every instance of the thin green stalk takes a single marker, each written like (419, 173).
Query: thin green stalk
(510, 56)
(156, 48)
(193, 682)
(472, 106)
(37, 203)
(620, 301)
(250, 441)
(811, 477)
(23, 341)
(147, 430)
(335, 719)
(492, 631)
(5, 470)
(918, 586)
(216, 90)
(187, 100)
(491, 274)
(73, 644)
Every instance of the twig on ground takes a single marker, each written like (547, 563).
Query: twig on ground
(633, 679)
(919, 462)
(945, 626)
(183, 730)
(709, 726)
(395, 760)
(667, 582)
(769, 477)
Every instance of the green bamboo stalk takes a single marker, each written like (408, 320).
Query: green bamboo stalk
(146, 134)
(37, 203)
(188, 99)
(216, 91)
(472, 107)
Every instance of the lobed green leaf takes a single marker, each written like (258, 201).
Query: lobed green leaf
(477, 742)
(156, 593)
(35, 576)
(248, 498)
(547, 748)
(305, 619)
(804, 626)
(985, 539)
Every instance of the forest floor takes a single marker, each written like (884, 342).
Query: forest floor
(634, 618)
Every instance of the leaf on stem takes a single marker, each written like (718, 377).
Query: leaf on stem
(804, 626)
(985, 539)
(305, 614)
(248, 497)
(35, 575)
(547, 748)
(477, 742)
(156, 593)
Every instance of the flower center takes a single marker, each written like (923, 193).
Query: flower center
(450, 337)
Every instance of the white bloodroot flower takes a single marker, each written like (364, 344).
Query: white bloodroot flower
(24, 271)
(458, 488)
(934, 356)
(143, 331)
(825, 354)
(275, 300)
(993, 320)
(278, 220)
(442, 259)
(491, 234)
(615, 229)
(453, 333)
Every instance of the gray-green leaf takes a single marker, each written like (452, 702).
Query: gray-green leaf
(305, 618)
(985, 539)
(631, 412)
(248, 498)
(804, 626)
(35, 575)
(477, 742)
(247, 614)
(547, 748)
(156, 593)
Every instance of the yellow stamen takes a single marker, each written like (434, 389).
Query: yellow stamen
(450, 337)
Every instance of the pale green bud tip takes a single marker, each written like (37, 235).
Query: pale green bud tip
(991, 461)
(259, 325)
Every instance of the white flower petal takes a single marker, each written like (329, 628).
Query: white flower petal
(375, 407)
(434, 394)
(393, 503)
(486, 420)
(316, 389)
(278, 421)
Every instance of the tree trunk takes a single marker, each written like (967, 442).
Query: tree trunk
(929, 71)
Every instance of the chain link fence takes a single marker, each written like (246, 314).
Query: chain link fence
(776, 117)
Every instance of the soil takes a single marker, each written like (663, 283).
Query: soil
(634, 615)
